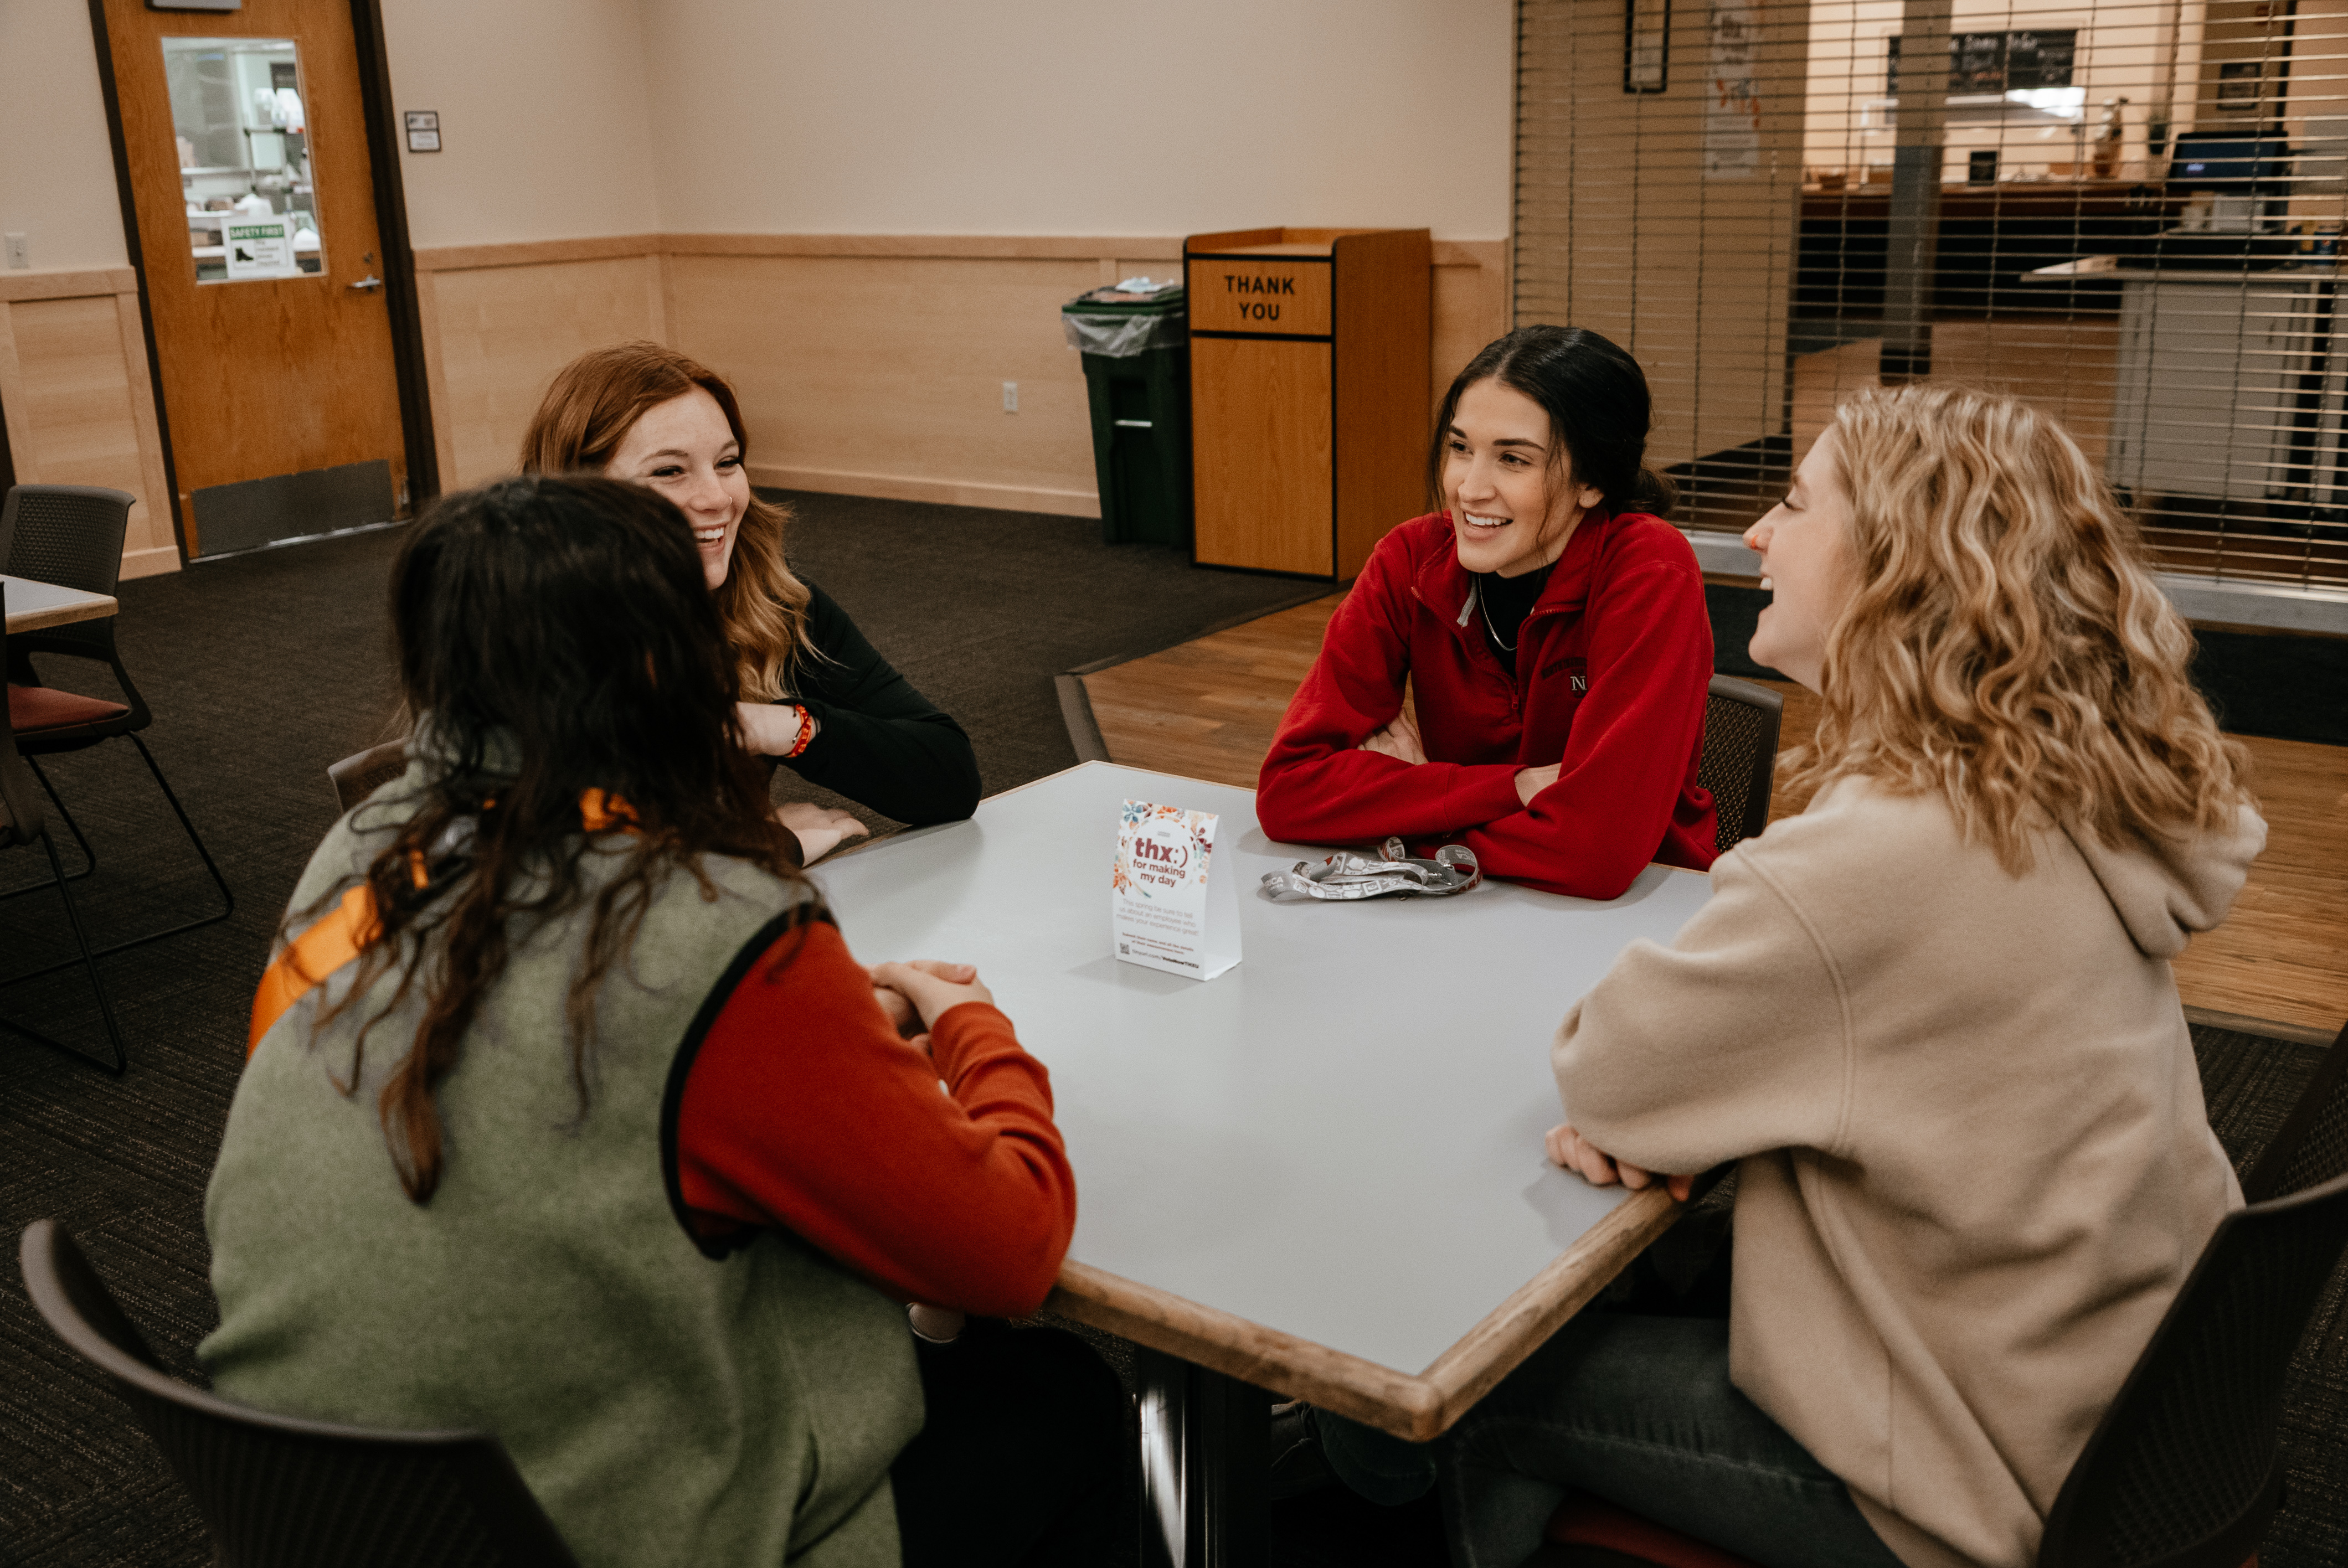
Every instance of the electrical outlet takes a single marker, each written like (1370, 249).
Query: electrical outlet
(20, 253)
(1010, 397)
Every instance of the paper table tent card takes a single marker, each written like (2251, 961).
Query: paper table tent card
(1167, 911)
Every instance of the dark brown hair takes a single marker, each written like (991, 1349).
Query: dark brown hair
(593, 403)
(1599, 410)
(556, 636)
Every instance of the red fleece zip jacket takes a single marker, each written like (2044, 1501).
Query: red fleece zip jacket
(1613, 665)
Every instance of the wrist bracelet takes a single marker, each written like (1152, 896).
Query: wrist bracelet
(806, 733)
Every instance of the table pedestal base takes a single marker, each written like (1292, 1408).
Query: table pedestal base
(1205, 1458)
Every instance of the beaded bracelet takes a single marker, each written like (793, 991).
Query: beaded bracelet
(806, 733)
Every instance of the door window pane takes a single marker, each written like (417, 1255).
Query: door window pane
(243, 129)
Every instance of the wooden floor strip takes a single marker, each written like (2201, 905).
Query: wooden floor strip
(1209, 708)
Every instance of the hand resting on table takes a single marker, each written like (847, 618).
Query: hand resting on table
(1600, 1169)
(817, 829)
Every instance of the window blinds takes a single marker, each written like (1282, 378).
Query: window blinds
(2126, 213)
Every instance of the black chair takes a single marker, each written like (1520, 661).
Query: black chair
(2184, 1471)
(71, 535)
(21, 822)
(360, 774)
(278, 1492)
(1740, 755)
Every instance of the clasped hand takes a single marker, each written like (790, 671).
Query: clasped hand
(1575, 1153)
(914, 995)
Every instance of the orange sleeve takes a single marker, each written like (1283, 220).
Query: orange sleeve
(802, 1109)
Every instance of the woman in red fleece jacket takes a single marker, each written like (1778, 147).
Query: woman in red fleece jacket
(1551, 627)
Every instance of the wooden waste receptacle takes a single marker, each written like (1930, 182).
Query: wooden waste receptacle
(1309, 371)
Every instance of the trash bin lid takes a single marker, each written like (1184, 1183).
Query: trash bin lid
(1116, 300)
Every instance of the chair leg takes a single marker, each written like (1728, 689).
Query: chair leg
(88, 855)
(228, 899)
(96, 983)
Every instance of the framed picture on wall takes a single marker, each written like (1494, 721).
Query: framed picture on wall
(1646, 45)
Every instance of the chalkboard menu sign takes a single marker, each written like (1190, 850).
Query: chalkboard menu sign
(2002, 62)
(2039, 59)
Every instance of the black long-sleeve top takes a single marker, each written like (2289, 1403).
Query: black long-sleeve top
(878, 742)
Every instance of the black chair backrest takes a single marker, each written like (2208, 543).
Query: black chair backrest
(70, 535)
(278, 1492)
(2184, 1471)
(359, 775)
(2311, 1145)
(1740, 755)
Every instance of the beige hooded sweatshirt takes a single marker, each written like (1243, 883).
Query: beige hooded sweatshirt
(1975, 1161)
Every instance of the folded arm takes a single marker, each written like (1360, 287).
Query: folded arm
(1318, 786)
(1593, 830)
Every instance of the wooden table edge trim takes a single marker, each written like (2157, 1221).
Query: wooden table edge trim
(61, 614)
(1418, 1409)
(1224, 1342)
(1523, 1323)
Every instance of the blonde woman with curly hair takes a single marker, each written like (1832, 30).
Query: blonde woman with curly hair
(1932, 1020)
(818, 698)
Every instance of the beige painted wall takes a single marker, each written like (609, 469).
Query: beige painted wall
(56, 169)
(81, 406)
(1079, 116)
(545, 132)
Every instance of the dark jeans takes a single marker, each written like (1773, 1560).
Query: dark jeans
(1638, 1410)
(1021, 1460)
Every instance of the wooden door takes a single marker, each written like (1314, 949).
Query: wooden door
(273, 346)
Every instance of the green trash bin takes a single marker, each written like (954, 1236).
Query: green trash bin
(1137, 351)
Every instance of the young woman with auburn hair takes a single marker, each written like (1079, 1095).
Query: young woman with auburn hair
(1933, 1018)
(818, 698)
(1551, 629)
(569, 1115)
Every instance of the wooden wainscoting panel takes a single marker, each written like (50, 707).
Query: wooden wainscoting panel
(435, 376)
(503, 331)
(149, 545)
(889, 371)
(535, 252)
(934, 247)
(1260, 412)
(76, 400)
(66, 285)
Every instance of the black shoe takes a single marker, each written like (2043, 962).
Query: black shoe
(1297, 1465)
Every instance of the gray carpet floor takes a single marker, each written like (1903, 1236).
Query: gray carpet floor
(263, 669)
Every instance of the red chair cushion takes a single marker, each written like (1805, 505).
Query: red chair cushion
(1582, 1521)
(34, 709)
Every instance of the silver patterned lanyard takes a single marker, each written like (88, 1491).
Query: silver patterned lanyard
(1347, 875)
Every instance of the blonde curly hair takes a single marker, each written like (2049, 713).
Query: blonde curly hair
(2006, 646)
